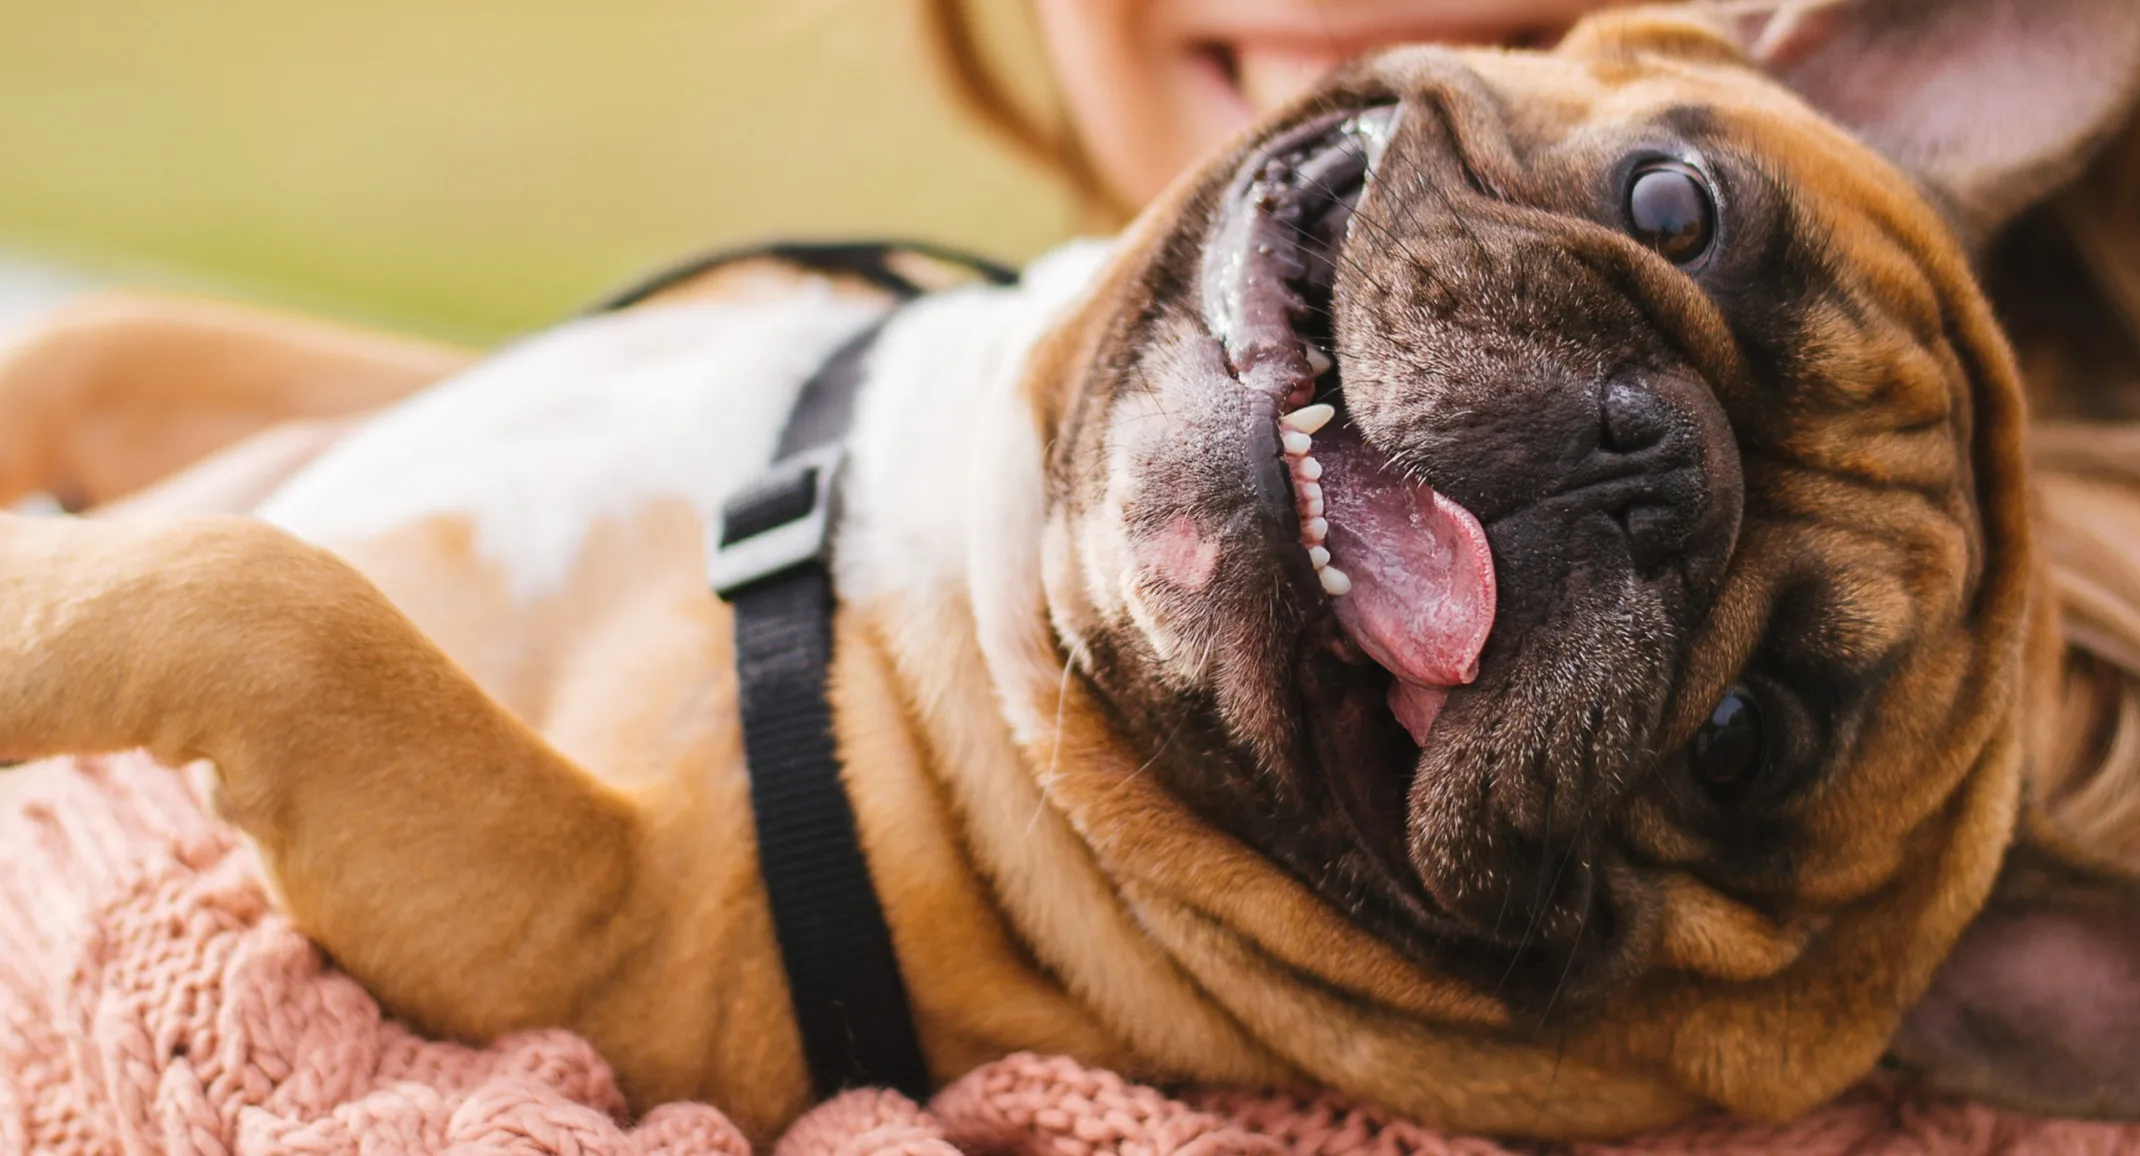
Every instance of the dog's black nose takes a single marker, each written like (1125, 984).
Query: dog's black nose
(1578, 479)
(1637, 473)
(1649, 460)
(1635, 419)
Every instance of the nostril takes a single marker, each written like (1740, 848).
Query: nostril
(1634, 418)
(1655, 535)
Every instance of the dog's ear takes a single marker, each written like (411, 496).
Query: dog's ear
(2038, 1007)
(1990, 104)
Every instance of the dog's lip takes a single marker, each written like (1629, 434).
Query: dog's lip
(1250, 253)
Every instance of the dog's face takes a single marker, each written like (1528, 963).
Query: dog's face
(1649, 505)
(1565, 511)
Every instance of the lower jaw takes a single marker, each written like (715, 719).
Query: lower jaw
(1365, 755)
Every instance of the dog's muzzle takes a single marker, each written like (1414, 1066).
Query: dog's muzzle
(1409, 571)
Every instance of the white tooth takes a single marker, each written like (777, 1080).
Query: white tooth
(1296, 442)
(1319, 556)
(1310, 491)
(1313, 507)
(1334, 581)
(1308, 418)
(1310, 469)
(1315, 529)
(1319, 363)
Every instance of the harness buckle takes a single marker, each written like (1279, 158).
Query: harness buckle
(781, 520)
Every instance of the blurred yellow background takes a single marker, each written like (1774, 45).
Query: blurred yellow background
(472, 168)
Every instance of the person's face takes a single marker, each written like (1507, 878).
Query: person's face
(1153, 84)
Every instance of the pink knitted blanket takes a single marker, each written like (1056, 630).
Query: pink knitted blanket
(151, 1001)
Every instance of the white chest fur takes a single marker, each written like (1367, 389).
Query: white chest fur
(592, 419)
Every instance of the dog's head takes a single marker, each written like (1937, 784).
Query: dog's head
(1565, 512)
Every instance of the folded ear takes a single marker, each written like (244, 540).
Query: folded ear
(1990, 104)
(2038, 1007)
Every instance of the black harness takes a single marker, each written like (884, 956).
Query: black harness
(773, 565)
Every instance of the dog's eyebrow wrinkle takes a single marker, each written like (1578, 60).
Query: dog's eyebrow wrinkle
(1691, 122)
(1933, 493)
(1910, 541)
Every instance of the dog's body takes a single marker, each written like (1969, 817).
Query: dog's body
(488, 751)
(547, 520)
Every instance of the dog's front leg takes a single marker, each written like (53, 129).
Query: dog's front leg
(103, 396)
(467, 873)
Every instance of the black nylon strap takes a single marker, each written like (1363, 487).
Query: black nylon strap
(867, 260)
(825, 406)
(850, 1002)
(843, 975)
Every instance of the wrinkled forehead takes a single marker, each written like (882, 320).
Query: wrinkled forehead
(1628, 74)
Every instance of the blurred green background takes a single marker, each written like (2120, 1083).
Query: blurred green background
(472, 168)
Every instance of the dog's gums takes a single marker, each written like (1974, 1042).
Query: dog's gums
(1407, 570)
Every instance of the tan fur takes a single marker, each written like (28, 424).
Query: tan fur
(572, 842)
(119, 390)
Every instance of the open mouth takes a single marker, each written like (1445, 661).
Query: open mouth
(1407, 572)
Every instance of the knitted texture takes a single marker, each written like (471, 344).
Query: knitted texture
(152, 1001)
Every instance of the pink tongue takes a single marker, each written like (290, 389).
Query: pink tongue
(1422, 598)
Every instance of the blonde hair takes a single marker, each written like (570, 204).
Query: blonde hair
(2066, 281)
(2087, 764)
(974, 79)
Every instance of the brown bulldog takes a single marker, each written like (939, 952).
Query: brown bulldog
(1509, 593)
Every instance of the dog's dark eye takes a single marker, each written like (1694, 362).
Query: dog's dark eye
(1728, 751)
(1670, 209)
